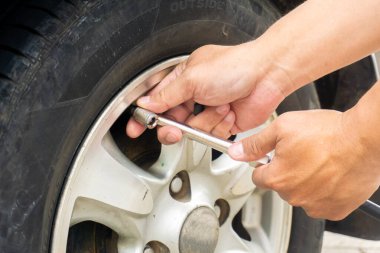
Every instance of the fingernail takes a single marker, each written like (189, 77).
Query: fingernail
(236, 151)
(144, 100)
(171, 138)
(222, 109)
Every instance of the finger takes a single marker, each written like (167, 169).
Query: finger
(169, 135)
(260, 176)
(223, 129)
(209, 118)
(235, 130)
(176, 72)
(173, 94)
(134, 129)
(254, 147)
(179, 113)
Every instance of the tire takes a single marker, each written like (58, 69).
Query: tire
(61, 62)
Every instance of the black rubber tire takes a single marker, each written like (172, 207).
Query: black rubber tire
(61, 62)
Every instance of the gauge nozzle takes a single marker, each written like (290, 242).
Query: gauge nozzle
(145, 117)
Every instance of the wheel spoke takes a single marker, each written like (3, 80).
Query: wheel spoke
(251, 220)
(240, 182)
(172, 159)
(230, 242)
(234, 177)
(186, 155)
(251, 216)
(252, 207)
(125, 224)
(199, 155)
(196, 155)
(109, 177)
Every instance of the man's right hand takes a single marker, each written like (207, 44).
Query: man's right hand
(228, 80)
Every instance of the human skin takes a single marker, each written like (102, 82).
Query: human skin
(326, 161)
(322, 157)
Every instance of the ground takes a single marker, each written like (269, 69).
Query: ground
(335, 243)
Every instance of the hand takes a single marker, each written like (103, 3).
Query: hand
(321, 163)
(227, 79)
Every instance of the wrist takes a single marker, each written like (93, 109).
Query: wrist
(364, 119)
(361, 124)
(266, 70)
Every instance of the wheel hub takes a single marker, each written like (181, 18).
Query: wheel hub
(199, 232)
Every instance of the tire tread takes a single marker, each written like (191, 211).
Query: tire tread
(28, 31)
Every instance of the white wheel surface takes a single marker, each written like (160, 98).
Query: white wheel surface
(185, 201)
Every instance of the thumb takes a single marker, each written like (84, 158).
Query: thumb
(173, 90)
(255, 146)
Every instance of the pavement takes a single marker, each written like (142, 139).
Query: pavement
(335, 243)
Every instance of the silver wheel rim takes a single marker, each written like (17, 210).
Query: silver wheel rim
(142, 205)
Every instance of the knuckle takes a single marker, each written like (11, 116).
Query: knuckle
(286, 115)
(186, 88)
(284, 120)
(265, 178)
(182, 66)
(252, 146)
(198, 52)
(292, 202)
(292, 199)
(189, 81)
(337, 216)
(217, 133)
(163, 97)
(161, 133)
(272, 183)
(220, 133)
(313, 211)
(204, 48)
(319, 212)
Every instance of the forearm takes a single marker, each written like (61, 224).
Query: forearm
(317, 38)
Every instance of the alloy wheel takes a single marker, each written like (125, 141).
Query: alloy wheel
(157, 198)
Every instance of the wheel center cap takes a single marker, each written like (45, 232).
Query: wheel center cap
(199, 232)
